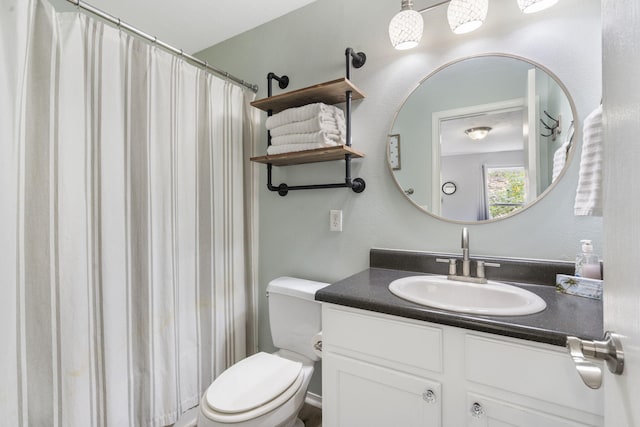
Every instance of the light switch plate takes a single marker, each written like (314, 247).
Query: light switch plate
(335, 220)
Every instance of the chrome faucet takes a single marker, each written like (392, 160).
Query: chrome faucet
(465, 253)
(466, 264)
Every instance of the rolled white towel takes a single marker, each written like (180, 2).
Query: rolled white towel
(315, 124)
(589, 191)
(305, 138)
(291, 148)
(299, 114)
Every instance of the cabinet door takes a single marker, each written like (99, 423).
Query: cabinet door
(487, 412)
(542, 372)
(357, 393)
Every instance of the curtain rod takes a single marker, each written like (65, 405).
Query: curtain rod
(120, 24)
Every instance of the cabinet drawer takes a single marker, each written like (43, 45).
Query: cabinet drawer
(487, 412)
(541, 372)
(382, 339)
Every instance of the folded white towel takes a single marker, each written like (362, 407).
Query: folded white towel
(560, 156)
(300, 114)
(589, 191)
(290, 148)
(305, 138)
(314, 124)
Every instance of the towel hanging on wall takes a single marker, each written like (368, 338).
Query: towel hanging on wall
(589, 192)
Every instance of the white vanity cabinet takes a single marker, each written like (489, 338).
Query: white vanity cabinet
(376, 371)
(382, 370)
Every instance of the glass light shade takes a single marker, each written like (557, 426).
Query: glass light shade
(405, 29)
(533, 6)
(466, 15)
(478, 133)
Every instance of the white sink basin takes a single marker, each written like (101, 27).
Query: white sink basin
(492, 298)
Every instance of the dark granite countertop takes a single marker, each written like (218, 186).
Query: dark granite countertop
(564, 316)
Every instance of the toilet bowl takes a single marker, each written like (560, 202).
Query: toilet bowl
(273, 398)
(268, 390)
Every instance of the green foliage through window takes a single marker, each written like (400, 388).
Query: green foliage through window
(505, 190)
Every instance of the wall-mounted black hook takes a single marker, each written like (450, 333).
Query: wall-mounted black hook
(554, 129)
(545, 125)
(549, 116)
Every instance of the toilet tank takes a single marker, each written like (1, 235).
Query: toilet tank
(294, 315)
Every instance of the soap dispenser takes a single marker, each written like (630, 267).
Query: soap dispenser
(587, 263)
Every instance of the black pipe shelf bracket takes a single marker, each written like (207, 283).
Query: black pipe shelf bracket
(332, 92)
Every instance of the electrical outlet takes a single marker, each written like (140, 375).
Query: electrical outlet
(335, 220)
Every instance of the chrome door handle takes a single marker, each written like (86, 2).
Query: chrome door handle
(609, 350)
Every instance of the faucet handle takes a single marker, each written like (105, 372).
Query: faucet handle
(481, 265)
(452, 264)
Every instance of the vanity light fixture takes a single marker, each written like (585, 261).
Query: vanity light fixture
(478, 133)
(405, 28)
(533, 6)
(465, 16)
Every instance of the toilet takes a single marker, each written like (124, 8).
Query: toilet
(269, 389)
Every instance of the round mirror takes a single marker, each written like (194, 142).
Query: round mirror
(482, 138)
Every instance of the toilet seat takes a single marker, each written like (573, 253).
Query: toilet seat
(251, 388)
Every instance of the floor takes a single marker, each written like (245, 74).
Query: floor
(311, 416)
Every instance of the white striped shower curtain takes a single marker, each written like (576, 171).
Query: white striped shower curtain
(124, 259)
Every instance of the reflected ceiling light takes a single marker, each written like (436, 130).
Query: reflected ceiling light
(478, 133)
(466, 15)
(405, 29)
(532, 6)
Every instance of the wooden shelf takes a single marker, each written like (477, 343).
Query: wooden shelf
(332, 92)
(309, 156)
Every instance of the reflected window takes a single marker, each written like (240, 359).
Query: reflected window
(505, 190)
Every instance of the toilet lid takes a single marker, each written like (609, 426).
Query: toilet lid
(251, 383)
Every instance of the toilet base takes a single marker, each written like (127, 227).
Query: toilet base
(190, 418)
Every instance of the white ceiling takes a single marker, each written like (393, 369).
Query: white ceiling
(194, 25)
(506, 133)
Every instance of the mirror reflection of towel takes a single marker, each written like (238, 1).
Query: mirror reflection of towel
(560, 156)
(589, 191)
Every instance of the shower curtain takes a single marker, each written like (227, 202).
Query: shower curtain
(124, 256)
